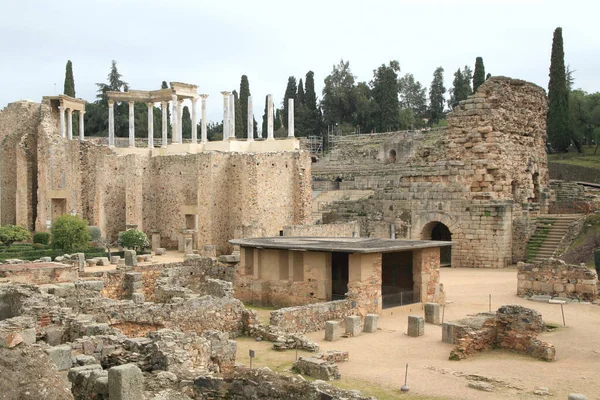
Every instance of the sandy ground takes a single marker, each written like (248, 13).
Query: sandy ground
(170, 256)
(381, 357)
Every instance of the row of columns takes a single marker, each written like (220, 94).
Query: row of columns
(68, 129)
(177, 108)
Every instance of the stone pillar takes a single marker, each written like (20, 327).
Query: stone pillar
(432, 313)
(81, 114)
(203, 132)
(416, 326)
(332, 330)
(270, 117)
(290, 118)
(69, 124)
(371, 323)
(125, 382)
(111, 123)
(174, 128)
(250, 120)
(164, 107)
(180, 120)
(61, 111)
(194, 121)
(353, 327)
(232, 117)
(225, 115)
(131, 124)
(150, 125)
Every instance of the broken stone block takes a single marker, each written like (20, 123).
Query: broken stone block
(416, 326)
(60, 356)
(79, 261)
(125, 382)
(92, 262)
(45, 259)
(155, 241)
(138, 298)
(371, 323)
(577, 396)
(82, 359)
(432, 313)
(114, 260)
(13, 339)
(229, 258)
(54, 335)
(209, 250)
(96, 329)
(160, 251)
(28, 335)
(191, 256)
(130, 258)
(73, 372)
(332, 330)
(319, 369)
(103, 261)
(352, 325)
(96, 286)
(448, 332)
(336, 356)
(147, 257)
(140, 258)
(63, 289)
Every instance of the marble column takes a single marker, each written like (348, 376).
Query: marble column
(111, 123)
(61, 111)
(225, 115)
(270, 117)
(290, 118)
(203, 132)
(232, 117)
(69, 124)
(131, 124)
(194, 121)
(250, 133)
(164, 107)
(150, 125)
(81, 114)
(180, 120)
(174, 128)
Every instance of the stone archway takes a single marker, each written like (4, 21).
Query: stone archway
(436, 230)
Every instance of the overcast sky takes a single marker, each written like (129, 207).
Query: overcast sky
(212, 43)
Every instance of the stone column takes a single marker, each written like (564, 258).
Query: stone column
(250, 133)
(203, 132)
(81, 114)
(164, 107)
(69, 124)
(131, 124)
(194, 121)
(180, 120)
(290, 118)
(150, 125)
(270, 117)
(225, 115)
(111, 123)
(61, 111)
(232, 117)
(174, 128)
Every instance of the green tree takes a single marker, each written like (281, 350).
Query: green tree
(312, 121)
(69, 233)
(134, 239)
(384, 87)
(300, 112)
(13, 233)
(412, 95)
(461, 86)
(69, 89)
(557, 121)
(479, 74)
(265, 117)
(337, 104)
(436, 96)
(164, 85)
(244, 94)
(96, 116)
(407, 118)
(186, 123)
(290, 93)
(239, 128)
(364, 108)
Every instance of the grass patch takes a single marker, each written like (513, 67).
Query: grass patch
(539, 236)
(367, 388)
(582, 248)
(585, 159)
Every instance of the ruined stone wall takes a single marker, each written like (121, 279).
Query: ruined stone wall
(312, 317)
(323, 230)
(39, 273)
(555, 278)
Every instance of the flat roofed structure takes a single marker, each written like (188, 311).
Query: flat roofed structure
(373, 273)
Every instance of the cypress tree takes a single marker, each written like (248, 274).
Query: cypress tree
(164, 85)
(244, 94)
(488, 76)
(557, 120)
(186, 123)
(238, 132)
(312, 121)
(436, 96)
(290, 93)
(300, 93)
(265, 117)
(385, 93)
(479, 74)
(69, 89)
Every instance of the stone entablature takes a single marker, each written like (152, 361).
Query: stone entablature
(557, 279)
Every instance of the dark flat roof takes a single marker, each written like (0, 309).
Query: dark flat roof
(342, 244)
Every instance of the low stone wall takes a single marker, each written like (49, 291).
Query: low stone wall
(323, 230)
(38, 273)
(557, 279)
(312, 317)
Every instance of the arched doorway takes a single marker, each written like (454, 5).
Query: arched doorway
(436, 230)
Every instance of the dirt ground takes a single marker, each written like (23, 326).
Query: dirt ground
(379, 359)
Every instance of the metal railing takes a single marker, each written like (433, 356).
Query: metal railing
(395, 297)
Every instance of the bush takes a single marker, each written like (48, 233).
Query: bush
(38, 246)
(94, 232)
(13, 233)
(41, 238)
(69, 233)
(134, 239)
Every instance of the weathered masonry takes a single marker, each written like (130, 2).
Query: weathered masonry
(374, 273)
(467, 183)
(198, 192)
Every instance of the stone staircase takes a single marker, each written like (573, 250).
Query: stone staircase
(548, 235)
(322, 200)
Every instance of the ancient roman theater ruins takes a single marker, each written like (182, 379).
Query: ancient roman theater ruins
(336, 246)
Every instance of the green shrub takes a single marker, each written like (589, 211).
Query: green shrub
(38, 246)
(41, 238)
(597, 260)
(134, 239)
(69, 233)
(13, 233)
(94, 232)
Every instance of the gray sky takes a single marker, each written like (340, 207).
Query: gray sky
(212, 43)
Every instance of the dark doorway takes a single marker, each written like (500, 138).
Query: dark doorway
(397, 286)
(339, 275)
(440, 231)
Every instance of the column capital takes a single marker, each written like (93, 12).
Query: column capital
(81, 112)
(226, 93)
(150, 104)
(111, 103)
(70, 110)
(61, 107)
(203, 96)
(180, 101)
(131, 103)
